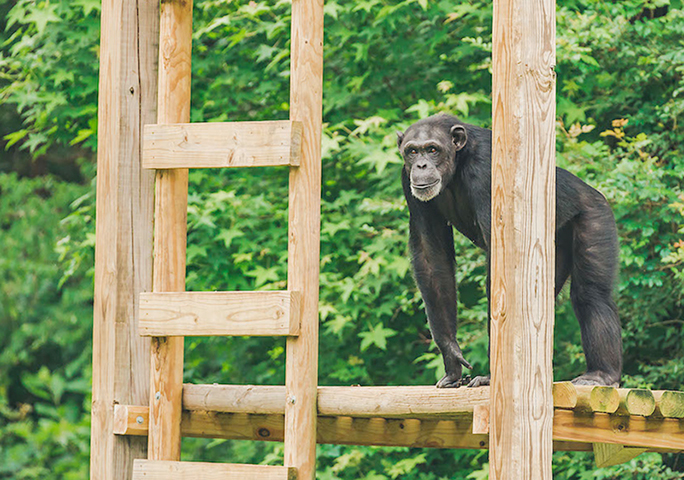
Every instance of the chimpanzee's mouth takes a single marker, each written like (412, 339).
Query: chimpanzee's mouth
(425, 186)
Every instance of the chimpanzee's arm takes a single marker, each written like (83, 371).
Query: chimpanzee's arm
(432, 256)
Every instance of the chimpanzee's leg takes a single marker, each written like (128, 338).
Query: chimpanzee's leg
(595, 262)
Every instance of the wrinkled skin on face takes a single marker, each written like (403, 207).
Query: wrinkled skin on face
(429, 157)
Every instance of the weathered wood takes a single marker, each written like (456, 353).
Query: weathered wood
(339, 430)
(170, 232)
(597, 399)
(670, 404)
(306, 106)
(387, 402)
(219, 313)
(609, 454)
(631, 431)
(131, 420)
(218, 145)
(481, 419)
(123, 251)
(522, 239)
(564, 395)
(165, 470)
(636, 401)
(359, 402)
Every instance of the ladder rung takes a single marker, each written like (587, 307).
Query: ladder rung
(222, 144)
(268, 313)
(167, 470)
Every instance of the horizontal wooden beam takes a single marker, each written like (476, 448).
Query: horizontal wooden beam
(358, 402)
(416, 433)
(167, 470)
(218, 145)
(219, 313)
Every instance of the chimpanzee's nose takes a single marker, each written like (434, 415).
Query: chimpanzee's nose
(421, 165)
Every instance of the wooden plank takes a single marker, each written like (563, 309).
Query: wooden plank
(454, 433)
(669, 404)
(123, 251)
(222, 144)
(170, 232)
(481, 419)
(630, 431)
(306, 106)
(522, 239)
(219, 313)
(359, 402)
(609, 454)
(165, 470)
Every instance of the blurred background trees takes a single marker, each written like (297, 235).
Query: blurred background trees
(387, 64)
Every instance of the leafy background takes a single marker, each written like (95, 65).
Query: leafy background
(387, 64)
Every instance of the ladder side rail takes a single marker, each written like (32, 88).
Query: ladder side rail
(123, 258)
(170, 229)
(306, 106)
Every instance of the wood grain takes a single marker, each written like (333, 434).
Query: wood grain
(636, 401)
(631, 431)
(165, 470)
(124, 210)
(572, 432)
(170, 229)
(522, 240)
(669, 404)
(609, 454)
(219, 313)
(306, 106)
(222, 144)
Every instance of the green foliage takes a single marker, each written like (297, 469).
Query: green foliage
(387, 63)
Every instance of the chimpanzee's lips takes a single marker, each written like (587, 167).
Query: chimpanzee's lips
(425, 186)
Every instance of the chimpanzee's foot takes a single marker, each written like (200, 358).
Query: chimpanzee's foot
(596, 378)
(479, 381)
(450, 381)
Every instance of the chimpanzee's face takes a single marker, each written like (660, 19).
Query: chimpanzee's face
(429, 157)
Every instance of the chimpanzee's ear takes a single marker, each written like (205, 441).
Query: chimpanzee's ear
(459, 136)
(400, 138)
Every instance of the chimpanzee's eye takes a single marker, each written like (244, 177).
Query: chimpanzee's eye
(412, 151)
(432, 149)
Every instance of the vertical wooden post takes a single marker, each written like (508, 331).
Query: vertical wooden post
(170, 229)
(523, 231)
(123, 251)
(306, 100)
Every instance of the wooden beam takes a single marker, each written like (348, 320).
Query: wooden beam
(123, 251)
(222, 144)
(574, 432)
(597, 399)
(630, 431)
(670, 404)
(422, 402)
(415, 433)
(523, 213)
(219, 313)
(306, 106)
(165, 470)
(636, 401)
(170, 232)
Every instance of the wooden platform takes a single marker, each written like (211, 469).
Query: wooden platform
(423, 416)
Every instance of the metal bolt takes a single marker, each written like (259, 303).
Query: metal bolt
(157, 396)
(291, 400)
(139, 420)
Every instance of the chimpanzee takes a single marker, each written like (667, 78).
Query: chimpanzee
(447, 182)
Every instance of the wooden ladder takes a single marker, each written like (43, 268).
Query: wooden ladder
(169, 313)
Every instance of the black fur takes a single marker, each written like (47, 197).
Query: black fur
(444, 149)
